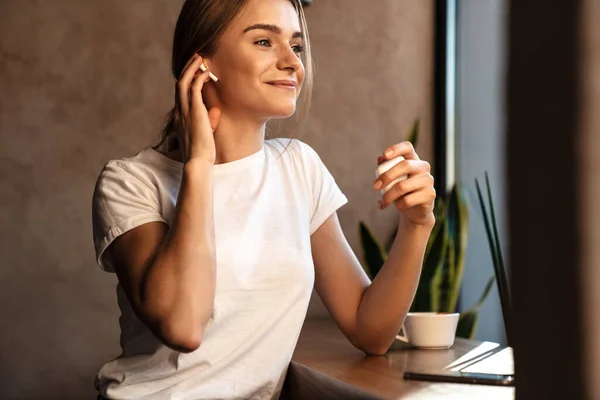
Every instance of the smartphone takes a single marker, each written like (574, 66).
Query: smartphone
(476, 378)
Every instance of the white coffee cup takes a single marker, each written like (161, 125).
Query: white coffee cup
(429, 330)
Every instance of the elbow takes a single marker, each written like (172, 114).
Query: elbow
(182, 341)
(184, 338)
(371, 349)
(180, 330)
(374, 349)
(187, 346)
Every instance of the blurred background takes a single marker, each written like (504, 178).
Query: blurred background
(498, 86)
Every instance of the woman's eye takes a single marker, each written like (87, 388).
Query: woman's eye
(267, 43)
(298, 48)
(263, 42)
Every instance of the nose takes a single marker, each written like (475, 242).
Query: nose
(288, 59)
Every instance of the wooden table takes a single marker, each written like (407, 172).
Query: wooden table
(326, 366)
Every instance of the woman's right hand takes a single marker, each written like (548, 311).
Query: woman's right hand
(194, 123)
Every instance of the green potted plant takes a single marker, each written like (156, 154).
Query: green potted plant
(443, 264)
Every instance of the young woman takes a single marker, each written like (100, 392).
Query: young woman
(217, 236)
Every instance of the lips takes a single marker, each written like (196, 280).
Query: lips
(285, 84)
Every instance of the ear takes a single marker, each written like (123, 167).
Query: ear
(208, 62)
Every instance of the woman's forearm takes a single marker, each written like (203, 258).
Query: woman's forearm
(179, 287)
(386, 301)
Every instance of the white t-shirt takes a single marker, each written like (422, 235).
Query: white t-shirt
(266, 206)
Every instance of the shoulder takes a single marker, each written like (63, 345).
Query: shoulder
(141, 174)
(144, 167)
(121, 170)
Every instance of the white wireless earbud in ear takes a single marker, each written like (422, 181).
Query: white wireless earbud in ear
(212, 76)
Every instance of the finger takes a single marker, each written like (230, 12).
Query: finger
(404, 149)
(403, 168)
(195, 94)
(184, 82)
(200, 72)
(424, 198)
(406, 187)
(185, 67)
(188, 63)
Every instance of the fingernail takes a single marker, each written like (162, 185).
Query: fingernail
(377, 185)
(380, 204)
(389, 153)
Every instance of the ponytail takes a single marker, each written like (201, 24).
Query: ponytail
(168, 138)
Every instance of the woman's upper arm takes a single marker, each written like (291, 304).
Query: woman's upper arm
(340, 280)
(130, 255)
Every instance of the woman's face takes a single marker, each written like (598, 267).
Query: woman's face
(256, 55)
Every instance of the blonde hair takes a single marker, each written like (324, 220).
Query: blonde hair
(199, 27)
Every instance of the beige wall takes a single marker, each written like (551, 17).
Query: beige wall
(374, 77)
(590, 189)
(85, 82)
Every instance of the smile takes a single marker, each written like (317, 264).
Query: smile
(283, 86)
(286, 84)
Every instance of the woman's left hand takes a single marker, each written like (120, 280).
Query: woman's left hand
(414, 197)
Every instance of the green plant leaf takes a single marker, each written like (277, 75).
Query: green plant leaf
(448, 271)
(467, 322)
(440, 208)
(439, 218)
(374, 254)
(458, 226)
(413, 136)
(432, 268)
(435, 287)
(485, 294)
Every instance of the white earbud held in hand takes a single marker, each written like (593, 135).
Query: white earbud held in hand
(210, 74)
(385, 166)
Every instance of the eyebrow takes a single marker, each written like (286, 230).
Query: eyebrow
(272, 28)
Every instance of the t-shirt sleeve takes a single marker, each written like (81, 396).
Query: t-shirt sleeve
(122, 200)
(326, 195)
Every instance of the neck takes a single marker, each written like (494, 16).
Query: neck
(237, 137)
